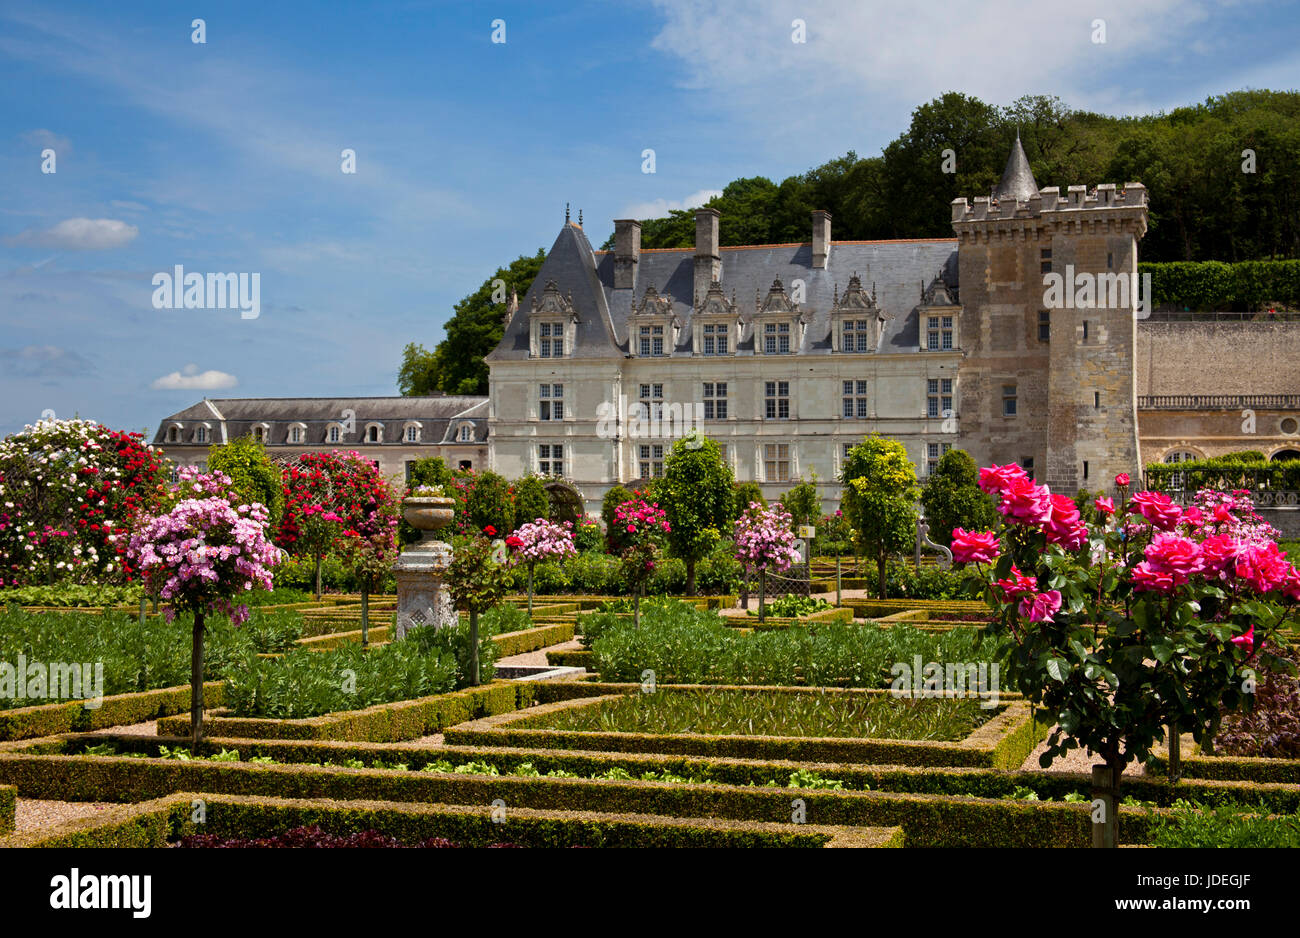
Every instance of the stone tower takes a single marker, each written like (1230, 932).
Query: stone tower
(1048, 327)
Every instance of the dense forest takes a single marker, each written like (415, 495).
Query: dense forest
(1223, 176)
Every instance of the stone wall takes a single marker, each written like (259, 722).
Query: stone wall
(1218, 357)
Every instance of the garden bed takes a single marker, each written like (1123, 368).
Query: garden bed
(117, 710)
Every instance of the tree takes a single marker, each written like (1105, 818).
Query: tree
(253, 476)
(477, 579)
(952, 497)
(744, 495)
(531, 500)
(642, 527)
(204, 552)
(879, 494)
(696, 490)
(490, 504)
(803, 503)
(617, 495)
(538, 541)
(371, 548)
(456, 365)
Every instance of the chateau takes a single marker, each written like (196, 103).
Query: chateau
(793, 352)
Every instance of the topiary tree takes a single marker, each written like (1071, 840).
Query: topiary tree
(879, 496)
(429, 471)
(253, 476)
(696, 491)
(490, 504)
(744, 495)
(616, 496)
(642, 527)
(531, 500)
(803, 503)
(952, 497)
(477, 579)
(204, 552)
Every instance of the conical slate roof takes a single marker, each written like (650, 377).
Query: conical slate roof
(1017, 178)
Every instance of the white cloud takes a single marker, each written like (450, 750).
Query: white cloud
(190, 378)
(79, 234)
(47, 138)
(659, 208)
(44, 361)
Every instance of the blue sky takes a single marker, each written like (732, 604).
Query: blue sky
(225, 156)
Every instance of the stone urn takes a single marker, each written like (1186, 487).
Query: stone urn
(428, 514)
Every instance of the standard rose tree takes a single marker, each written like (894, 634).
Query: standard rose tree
(540, 540)
(203, 554)
(477, 579)
(640, 529)
(1120, 629)
(764, 539)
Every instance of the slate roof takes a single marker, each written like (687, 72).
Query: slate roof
(438, 417)
(1017, 180)
(899, 269)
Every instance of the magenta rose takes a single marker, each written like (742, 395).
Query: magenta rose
(1016, 585)
(1105, 505)
(999, 478)
(1041, 607)
(1156, 508)
(1180, 557)
(1025, 502)
(1122, 480)
(974, 546)
(1149, 578)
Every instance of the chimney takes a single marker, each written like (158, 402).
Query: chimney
(627, 252)
(708, 262)
(821, 240)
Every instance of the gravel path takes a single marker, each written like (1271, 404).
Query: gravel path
(31, 814)
(1076, 760)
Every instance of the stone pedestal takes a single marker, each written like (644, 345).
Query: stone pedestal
(420, 571)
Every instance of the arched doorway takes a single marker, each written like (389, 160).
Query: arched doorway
(1283, 455)
(566, 503)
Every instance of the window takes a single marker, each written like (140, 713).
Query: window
(201, 435)
(715, 400)
(1110, 261)
(1096, 398)
(855, 335)
(776, 338)
(1044, 325)
(715, 339)
(295, 435)
(1009, 400)
(1027, 464)
(777, 400)
(372, 434)
(412, 434)
(1180, 456)
(652, 340)
(467, 464)
(939, 333)
(844, 452)
(551, 339)
(550, 401)
(855, 399)
(651, 464)
(259, 434)
(776, 462)
(1085, 470)
(174, 435)
(334, 434)
(1045, 261)
(652, 402)
(933, 453)
(410, 467)
(550, 459)
(938, 396)
(1085, 330)
(467, 432)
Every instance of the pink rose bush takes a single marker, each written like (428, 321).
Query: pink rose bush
(540, 540)
(641, 526)
(1148, 617)
(764, 538)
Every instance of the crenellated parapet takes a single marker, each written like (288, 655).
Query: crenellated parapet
(1105, 208)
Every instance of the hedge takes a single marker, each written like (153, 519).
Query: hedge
(509, 643)
(388, 722)
(1004, 742)
(156, 823)
(117, 710)
(8, 807)
(572, 658)
(1236, 768)
(1225, 474)
(926, 820)
(1215, 286)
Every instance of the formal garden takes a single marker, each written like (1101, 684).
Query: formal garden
(236, 657)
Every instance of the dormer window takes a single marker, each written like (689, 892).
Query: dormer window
(174, 433)
(297, 432)
(939, 317)
(856, 320)
(374, 433)
(201, 434)
(552, 321)
(467, 433)
(334, 433)
(778, 323)
(653, 325)
(716, 323)
(411, 433)
(262, 432)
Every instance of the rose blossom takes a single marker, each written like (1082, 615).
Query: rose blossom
(1016, 585)
(1122, 480)
(974, 546)
(999, 478)
(1024, 502)
(1157, 508)
(1105, 505)
(1041, 607)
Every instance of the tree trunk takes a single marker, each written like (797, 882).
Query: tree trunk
(762, 594)
(365, 616)
(473, 648)
(196, 684)
(882, 572)
(318, 564)
(1175, 752)
(530, 590)
(636, 608)
(1105, 788)
(690, 578)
